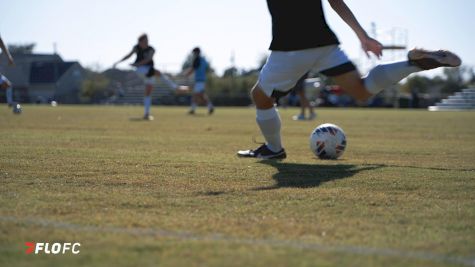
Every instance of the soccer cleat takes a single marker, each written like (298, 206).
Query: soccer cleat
(428, 60)
(263, 152)
(211, 111)
(191, 112)
(300, 117)
(148, 117)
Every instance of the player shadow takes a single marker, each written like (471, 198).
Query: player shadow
(198, 115)
(428, 168)
(138, 119)
(294, 175)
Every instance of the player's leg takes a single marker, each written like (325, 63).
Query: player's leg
(199, 97)
(196, 99)
(7, 86)
(207, 102)
(311, 110)
(387, 75)
(305, 104)
(148, 98)
(166, 80)
(333, 62)
(279, 75)
(193, 104)
(269, 122)
(353, 84)
(301, 115)
(148, 74)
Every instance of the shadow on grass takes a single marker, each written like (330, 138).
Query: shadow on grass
(294, 175)
(138, 119)
(428, 168)
(199, 115)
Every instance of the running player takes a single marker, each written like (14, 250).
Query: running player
(299, 90)
(5, 84)
(199, 67)
(145, 68)
(302, 40)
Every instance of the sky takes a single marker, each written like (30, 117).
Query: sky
(99, 32)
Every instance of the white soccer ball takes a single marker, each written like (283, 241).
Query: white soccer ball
(328, 141)
(17, 109)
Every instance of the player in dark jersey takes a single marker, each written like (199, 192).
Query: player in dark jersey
(302, 40)
(5, 84)
(145, 68)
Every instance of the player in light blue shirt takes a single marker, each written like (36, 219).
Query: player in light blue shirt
(199, 67)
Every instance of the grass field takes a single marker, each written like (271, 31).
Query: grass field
(172, 192)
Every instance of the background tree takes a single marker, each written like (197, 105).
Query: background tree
(450, 81)
(96, 86)
(21, 48)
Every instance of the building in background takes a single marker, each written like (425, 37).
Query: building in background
(41, 78)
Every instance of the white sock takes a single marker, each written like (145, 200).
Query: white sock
(210, 105)
(386, 75)
(169, 82)
(147, 102)
(270, 125)
(9, 94)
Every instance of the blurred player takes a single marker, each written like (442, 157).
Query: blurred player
(302, 40)
(199, 67)
(5, 84)
(299, 89)
(145, 68)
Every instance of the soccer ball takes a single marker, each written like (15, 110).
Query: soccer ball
(328, 141)
(17, 109)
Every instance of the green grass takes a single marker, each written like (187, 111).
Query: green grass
(172, 193)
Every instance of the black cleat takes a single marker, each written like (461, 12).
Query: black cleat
(211, 111)
(148, 117)
(263, 152)
(191, 112)
(428, 60)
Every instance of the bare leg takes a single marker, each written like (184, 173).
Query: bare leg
(354, 85)
(205, 99)
(167, 80)
(148, 90)
(389, 74)
(305, 104)
(201, 99)
(261, 100)
(268, 119)
(208, 103)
